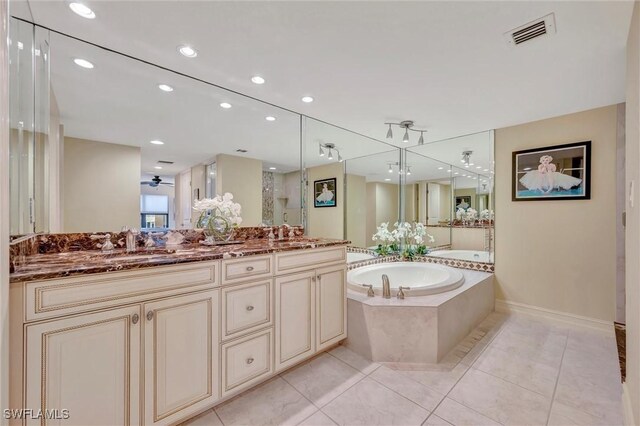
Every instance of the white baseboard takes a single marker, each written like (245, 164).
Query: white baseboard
(556, 316)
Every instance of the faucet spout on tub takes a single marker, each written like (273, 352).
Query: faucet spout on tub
(386, 288)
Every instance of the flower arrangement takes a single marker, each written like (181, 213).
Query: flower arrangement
(467, 217)
(486, 214)
(219, 216)
(413, 236)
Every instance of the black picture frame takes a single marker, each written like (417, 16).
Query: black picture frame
(577, 155)
(332, 187)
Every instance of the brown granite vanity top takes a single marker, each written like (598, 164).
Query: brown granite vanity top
(69, 263)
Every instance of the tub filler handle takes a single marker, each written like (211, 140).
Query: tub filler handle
(401, 294)
(370, 292)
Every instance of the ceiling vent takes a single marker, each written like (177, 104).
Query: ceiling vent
(164, 162)
(241, 150)
(545, 26)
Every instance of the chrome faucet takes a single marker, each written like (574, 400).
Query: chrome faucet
(401, 294)
(386, 288)
(107, 245)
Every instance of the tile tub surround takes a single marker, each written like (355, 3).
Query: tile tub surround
(471, 386)
(69, 263)
(418, 329)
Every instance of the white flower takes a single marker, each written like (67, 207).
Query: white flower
(220, 210)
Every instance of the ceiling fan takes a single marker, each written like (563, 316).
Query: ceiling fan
(155, 182)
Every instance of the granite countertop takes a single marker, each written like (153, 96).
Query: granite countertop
(70, 263)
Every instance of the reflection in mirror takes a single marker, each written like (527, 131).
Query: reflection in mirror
(137, 145)
(349, 208)
(469, 160)
(429, 185)
(30, 128)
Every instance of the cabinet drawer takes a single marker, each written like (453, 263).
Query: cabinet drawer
(51, 298)
(246, 307)
(245, 269)
(246, 361)
(308, 259)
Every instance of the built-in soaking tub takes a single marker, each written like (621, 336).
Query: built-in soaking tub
(359, 257)
(422, 278)
(468, 255)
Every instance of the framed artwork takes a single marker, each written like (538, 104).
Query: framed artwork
(463, 202)
(324, 193)
(560, 172)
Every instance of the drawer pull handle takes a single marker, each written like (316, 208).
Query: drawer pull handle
(249, 268)
(250, 360)
(135, 318)
(149, 315)
(249, 308)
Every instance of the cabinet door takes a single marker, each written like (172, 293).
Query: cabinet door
(180, 356)
(295, 318)
(331, 296)
(87, 364)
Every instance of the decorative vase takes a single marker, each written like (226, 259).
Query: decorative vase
(216, 229)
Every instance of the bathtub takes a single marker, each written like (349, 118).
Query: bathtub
(422, 278)
(468, 255)
(359, 257)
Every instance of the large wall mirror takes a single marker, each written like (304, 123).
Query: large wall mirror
(119, 142)
(455, 195)
(341, 168)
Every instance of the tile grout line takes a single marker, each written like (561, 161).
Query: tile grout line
(458, 381)
(555, 388)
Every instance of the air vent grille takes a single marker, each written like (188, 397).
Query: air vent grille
(544, 26)
(241, 150)
(165, 162)
(536, 30)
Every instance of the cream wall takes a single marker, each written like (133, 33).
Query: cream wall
(326, 221)
(101, 186)
(559, 255)
(382, 206)
(632, 240)
(356, 208)
(243, 178)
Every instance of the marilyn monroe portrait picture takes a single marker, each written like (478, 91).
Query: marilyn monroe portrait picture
(560, 172)
(324, 193)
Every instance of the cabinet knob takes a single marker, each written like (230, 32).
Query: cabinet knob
(249, 268)
(313, 279)
(149, 315)
(250, 360)
(249, 308)
(135, 318)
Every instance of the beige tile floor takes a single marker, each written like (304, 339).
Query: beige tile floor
(511, 370)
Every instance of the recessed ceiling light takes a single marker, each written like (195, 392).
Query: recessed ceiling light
(225, 105)
(158, 167)
(165, 87)
(83, 63)
(485, 170)
(478, 167)
(82, 10)
(387, 179)
(440, 168)
(156, 142)
(456, 173)
(307, 99)
(188, 51)
(270, 118)
(272, 168)
(257, 79)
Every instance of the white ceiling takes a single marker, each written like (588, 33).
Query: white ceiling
(443, 64)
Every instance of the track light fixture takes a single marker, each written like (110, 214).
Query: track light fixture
(331, 148)
(466, 158)
(400, 171)
(406, 125)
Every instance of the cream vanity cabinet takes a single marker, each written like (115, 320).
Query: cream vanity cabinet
(155, 346)
(311, 308)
